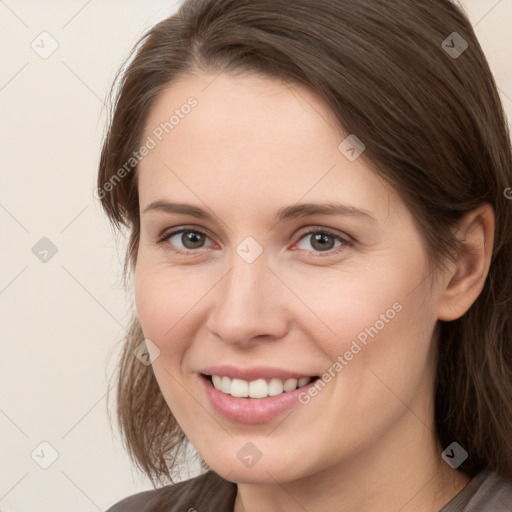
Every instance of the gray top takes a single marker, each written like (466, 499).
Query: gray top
(486, 492)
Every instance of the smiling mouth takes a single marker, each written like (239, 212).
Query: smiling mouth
(259, 388)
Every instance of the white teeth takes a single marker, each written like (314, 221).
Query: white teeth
(275, 387)
(303, 381)
(239, 388)
(259, 388)
(217, 381)
(290, 384)
(226, 385)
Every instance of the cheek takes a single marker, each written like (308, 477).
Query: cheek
(384, 340)
(164, 302)
(156, 300)
(371, 319)
(168, 303)
(349, 306)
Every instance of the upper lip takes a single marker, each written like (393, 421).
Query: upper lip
(253, 373)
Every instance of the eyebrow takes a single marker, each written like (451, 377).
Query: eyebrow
(288, 212)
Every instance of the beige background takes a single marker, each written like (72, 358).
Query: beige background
(61, 320)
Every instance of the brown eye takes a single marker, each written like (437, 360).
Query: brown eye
(323, 243)
(185, 239)
(192, 239)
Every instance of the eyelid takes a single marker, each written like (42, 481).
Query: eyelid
(344, 238)
(170, 232)
(346, 242)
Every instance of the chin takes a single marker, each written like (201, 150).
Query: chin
(262, 472)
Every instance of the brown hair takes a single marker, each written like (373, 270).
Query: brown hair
(434, 128)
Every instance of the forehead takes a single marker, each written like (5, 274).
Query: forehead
(255, 139)
(264, 110)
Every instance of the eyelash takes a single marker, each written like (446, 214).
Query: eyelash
(317, 254)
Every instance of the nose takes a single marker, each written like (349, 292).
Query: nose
(249, 303)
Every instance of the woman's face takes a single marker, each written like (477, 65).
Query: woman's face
(262, 289)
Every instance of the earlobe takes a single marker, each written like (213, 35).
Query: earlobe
(466, 279)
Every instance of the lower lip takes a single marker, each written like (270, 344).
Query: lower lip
(252, 410)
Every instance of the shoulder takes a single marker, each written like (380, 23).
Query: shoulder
(205, 492)
(494, 493)
(487, 491)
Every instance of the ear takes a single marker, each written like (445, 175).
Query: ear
(465, 279)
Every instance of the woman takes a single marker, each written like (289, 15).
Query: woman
(320, 237)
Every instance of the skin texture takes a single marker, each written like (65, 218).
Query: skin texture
(251, 146)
